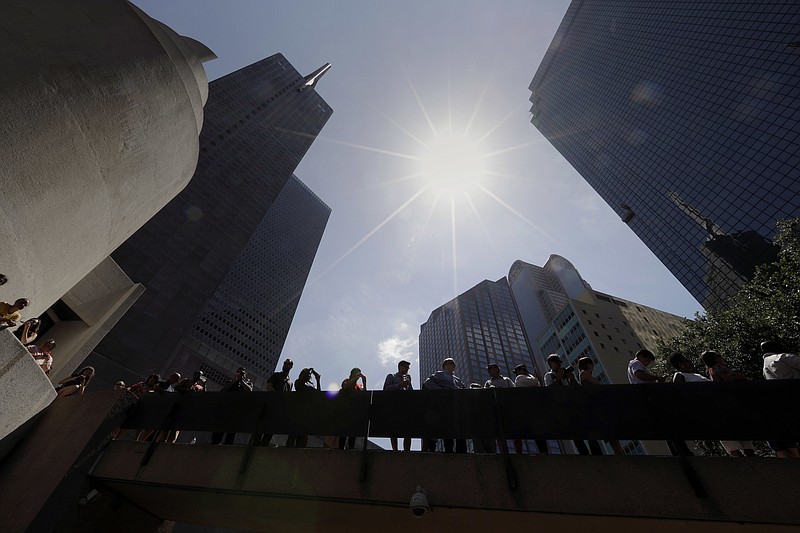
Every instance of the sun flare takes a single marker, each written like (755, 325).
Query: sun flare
(451, 164)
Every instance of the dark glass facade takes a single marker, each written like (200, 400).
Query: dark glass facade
(257, 127)
(478, 327)
(685, 118)
(246, 322)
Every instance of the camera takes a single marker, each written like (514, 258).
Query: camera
(419, 503)
(569, 370)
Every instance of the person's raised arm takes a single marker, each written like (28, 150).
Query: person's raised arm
(27, 335)
(646, 376)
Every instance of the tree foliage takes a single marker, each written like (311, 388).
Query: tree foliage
(766, 308)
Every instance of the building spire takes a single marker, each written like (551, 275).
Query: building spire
(712, 229)
(313, 78)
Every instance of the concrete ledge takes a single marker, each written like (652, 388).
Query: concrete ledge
(26, 390)
(43, 475)
(314, 489)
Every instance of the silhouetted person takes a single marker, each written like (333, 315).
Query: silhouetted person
(586, 377)
(75, 384)
(196, 383)
(28, 331)
(526, 379)
(351, 384)
(637, 369)
(781, 365)
(277, 382)
(399, 381)
(239, 383)
(445, 379)
(303, 385)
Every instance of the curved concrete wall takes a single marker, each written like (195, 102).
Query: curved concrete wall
(100, 109)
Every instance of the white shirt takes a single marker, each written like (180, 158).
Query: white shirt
(526, 381)
(781, 366)
(633, 366)
(501, 382)
(691, 376)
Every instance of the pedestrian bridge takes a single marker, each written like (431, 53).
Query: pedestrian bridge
(279, 489)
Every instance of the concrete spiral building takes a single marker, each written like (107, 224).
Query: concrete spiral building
(101, 110)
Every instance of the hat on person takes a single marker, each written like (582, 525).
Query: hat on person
(490, 365)
(448, 360)
(403, 363)
(518, 368)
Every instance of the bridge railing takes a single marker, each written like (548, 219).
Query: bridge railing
(754, 410)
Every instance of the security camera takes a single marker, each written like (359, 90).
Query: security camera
(419, 503)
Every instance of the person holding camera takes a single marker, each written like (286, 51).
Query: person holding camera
(558, 375)
(28, 331)
(43, 355)
(196, 383)
(76, 383)
(277, 382)
(303, 384)
(398, 381)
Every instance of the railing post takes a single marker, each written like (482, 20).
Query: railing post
(152, 448)
(248, 448)
(363, 470)
(688, 471)
(511, 474)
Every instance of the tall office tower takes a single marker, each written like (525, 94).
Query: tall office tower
(562, 314)
(477, 327)
(246, 322)
(259, 123)
(661, 105)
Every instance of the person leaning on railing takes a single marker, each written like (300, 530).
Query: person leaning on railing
(303, 385)
(781, 365)
(526, 379)
(239, 383)
(351, 384)
(399, 381)
(445, 378)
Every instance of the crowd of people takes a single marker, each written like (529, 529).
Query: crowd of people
(777, 364)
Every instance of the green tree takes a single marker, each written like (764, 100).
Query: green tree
(766, 308)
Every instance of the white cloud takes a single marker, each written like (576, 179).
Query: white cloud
(394, 349)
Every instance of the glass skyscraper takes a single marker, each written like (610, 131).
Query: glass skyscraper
(478, 327)
(685, 118)
(246, 322)
(207, 255)
(537, 311)
(562, 314)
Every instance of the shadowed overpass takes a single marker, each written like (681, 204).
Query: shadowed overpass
(268, 489)
(321, 490)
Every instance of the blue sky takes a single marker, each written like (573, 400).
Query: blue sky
(423, 90)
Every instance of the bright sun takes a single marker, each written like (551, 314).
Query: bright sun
(451, 165)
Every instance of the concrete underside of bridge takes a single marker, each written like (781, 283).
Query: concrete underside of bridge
(323, 490)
